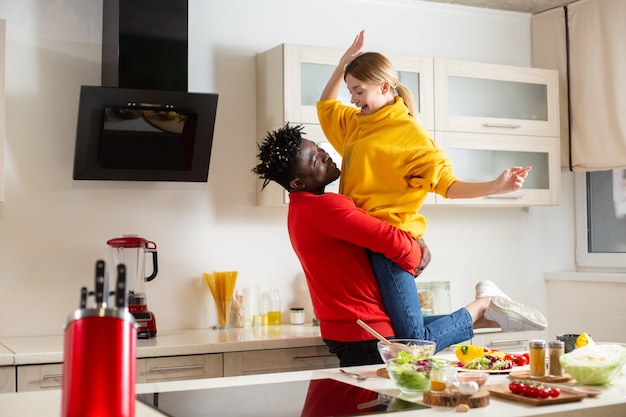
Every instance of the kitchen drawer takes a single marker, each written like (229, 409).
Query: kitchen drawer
(39, 377)
(171, 368)
(506, 341)
(7, 379)
(278, 360)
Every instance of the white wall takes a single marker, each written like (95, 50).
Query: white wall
(52, 229)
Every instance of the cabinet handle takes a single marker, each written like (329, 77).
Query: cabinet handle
(505, 125)
(507, 342)
(299, 358)
(52, 376)
(175, 368)
(504, 197)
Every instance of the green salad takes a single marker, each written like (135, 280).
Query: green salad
(411, 372)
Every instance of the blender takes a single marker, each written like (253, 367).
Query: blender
(131, 250)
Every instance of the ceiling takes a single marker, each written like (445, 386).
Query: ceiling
(525, 6)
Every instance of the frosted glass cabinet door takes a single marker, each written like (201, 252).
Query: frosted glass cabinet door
(476, 97)
(307, 70)
(479, 157)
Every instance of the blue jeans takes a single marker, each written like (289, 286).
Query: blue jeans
(399, 294)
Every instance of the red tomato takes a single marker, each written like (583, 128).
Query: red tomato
(521, 361)
(516, 387)
(535, 391)
(545, 393)
(555, 392)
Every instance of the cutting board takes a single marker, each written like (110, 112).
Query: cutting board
(502, 391)
(547, 378)
(442, 399)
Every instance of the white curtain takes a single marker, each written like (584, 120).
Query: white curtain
(590, 36)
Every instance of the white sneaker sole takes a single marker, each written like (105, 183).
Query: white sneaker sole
(513, 316)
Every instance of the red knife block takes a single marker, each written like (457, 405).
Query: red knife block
(99, 364)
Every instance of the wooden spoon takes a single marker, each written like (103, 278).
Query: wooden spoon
(383, 338)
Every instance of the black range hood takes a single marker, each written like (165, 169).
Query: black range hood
(144, 44)
(142, 124)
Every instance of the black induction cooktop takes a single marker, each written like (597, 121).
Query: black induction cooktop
(315, 398)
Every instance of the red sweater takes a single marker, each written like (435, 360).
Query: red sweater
(329, 235)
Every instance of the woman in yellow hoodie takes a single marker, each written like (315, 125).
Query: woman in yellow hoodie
(390, 164)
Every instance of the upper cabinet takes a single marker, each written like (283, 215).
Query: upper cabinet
(491, 117)
(486, 117)
(481, 157)
(498, 99)
(291, 78)
(2, 106)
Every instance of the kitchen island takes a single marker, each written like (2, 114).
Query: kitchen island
(611, 403)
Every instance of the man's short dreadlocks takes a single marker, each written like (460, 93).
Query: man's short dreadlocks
(278, 154)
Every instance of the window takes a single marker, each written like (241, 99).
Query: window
(601, 221)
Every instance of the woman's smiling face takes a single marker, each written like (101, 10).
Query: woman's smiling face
(369, 98)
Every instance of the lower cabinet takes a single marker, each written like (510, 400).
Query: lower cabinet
(39, 377)
(172, 368)
(186, 367)
(506, 341)
(278, 360)
(7, 379)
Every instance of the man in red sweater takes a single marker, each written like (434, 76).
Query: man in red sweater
(331, 236)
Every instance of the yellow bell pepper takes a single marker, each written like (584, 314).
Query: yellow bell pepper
(466, 353)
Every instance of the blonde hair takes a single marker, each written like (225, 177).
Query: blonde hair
(375, 68)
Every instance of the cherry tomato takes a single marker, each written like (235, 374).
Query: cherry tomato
(555, 392)
(545, 393)
(535, 391)
(516, 387)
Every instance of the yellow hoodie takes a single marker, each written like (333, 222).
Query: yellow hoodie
(390, 162)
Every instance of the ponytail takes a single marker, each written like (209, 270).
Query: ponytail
(407, 97)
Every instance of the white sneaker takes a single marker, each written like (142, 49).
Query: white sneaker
(487, 288)
(513, 316)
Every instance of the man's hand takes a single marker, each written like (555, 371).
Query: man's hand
(425, 257)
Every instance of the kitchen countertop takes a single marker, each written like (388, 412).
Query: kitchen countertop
(611, 403)
(6, 356)
(49, 349)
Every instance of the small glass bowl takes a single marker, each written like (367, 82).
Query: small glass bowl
(479, 377)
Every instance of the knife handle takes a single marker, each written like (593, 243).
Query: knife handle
(83, 297)
(120, 287)
(100, 284)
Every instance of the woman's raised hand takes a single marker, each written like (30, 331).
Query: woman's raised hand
(355, 49)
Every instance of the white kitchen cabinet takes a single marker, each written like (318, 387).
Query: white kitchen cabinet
(39, 377)
(2, 105)
(7, 379)
(486, 117)
(491, 117)
(290, 79)
(172, 368)
(278, 360)
(482, 157)
(498, 99)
